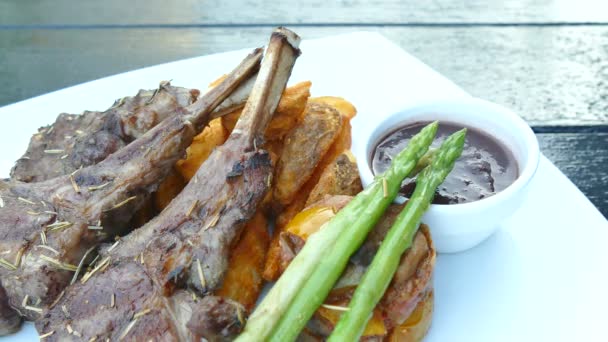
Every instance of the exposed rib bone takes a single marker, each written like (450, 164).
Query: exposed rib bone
(280, 56)
(236, 100)
(199, 112)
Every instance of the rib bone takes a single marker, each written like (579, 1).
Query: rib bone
(58, 213)
(166, 266)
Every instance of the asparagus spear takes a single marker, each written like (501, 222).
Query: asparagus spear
(358, 217)
(399, 238)
(425, 161)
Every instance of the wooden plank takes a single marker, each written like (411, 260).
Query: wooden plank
(549, 75)
(109, 12)
(583, 157)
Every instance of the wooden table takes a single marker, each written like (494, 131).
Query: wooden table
(546, 59)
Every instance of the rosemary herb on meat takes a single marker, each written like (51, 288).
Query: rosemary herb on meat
(33, 308)
(113, 246)
(24, 301)
(25, 200)
(98, 187)
(120, 204)
(141, 313)
(43, 238)
(59, 264)
(80, 264)
(7, 264)
(201, 275)
(191, 209)
(66, 312)
(48, 248)
(45, 335)
(57, 299)
(102, 264)
(59, 225)
(127, 329)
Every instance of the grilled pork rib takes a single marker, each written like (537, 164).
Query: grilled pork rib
(155, 282)
(75, 141)
(47, 228)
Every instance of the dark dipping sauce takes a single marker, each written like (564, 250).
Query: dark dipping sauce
(485, 167)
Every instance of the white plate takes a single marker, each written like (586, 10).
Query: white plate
(541, 277)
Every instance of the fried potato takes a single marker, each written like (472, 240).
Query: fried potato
(243, 281)
(341, 177)
(168, 189)
(303, 149)
(203, 144)
(417, 325)
(288, 113)
(304, 223)
(342, 143)
(341, 105)
(272, 268)
(405, 311)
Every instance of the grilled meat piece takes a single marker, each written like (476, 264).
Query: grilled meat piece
(83, 140)
(186, 248)
(47, 228)
(75, 141)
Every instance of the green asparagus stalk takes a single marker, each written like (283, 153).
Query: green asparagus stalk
(425, 161)
(399, 238)
(358, 217)
(317, 287)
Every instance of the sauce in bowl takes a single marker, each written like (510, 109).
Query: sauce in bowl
(485, 167)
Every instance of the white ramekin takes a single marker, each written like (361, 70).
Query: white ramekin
(458, 227)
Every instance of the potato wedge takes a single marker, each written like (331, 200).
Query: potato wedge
(417, 325)
(203, 144)
(243, 281)
(303, 149)
(341, 177)
(288, 113)
(272, 268)
(341, 105)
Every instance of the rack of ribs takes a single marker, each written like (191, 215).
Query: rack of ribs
(157, 282)
(49, 230)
